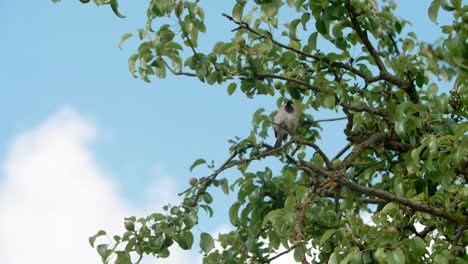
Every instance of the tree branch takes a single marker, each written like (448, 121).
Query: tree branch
(289, 79)
(458, 235)
(365, 108)
(329, 119)
(364, 38)
(461, 219)
(342, 151)
(318, 150)
(357, 150)
(325, 60)
(406, 85)
(297, 233)
(195, 53)
(227, 164)
(179, 72)
(281, 254)
(364, 200)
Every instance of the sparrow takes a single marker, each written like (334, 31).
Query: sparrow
(285, 122)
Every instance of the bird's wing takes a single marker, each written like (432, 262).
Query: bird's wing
(278, 120)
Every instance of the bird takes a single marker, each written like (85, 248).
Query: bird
(285, 122)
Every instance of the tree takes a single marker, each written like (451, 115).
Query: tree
(406, 161)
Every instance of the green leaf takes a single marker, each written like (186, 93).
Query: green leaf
(115, 5)
(93, 238)
(415, 156)
(396, 256)
(293, 29)
(321, 26)
(326, 236)
(231, 88)
(237, 12)
(333, 259)
(206, 242)
(418, 246)
(185, 240)
(312, 42)
(304, 19)
(434, 10)
(224, 186)
(207, 209)
(197, 163)
(420, 78)
(233, 213)
(124, 38)
(131, 64)
(207, 198)
(161, 70)
(123, 258)
(164, 253)
(103, 251)
(329, 102)
(380, 255)
(191, 219)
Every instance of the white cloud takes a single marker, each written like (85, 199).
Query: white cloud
(53, 195)
(162, 190)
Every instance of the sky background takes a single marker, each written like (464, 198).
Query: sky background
(84, 144)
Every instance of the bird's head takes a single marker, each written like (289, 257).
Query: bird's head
(288, 104)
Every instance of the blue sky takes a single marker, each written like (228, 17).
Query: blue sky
(62, 74)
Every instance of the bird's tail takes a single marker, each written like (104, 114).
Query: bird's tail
(278, 142)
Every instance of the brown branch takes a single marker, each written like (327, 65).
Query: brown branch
(281, 254)
(289, 79)
(342, 151)
(426, 231)
(318, 150)
(214, 174)
(394, 44)
(365, 108)
(336, 199)
(406, 85)
(330, 119)
(188, 39)
(226, 165)
(357, 150)
(173, 71)
(307, 55)
(297, 234)
(458, 235)
(423, 233)
(340, 179)
(364, 200)
(364, 38)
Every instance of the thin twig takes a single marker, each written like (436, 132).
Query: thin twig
(329, 119)
(342, 151)
(458, 235)
(365, 108)
(226, 165)
(188, 39)
(426, 231)
(394, 44)
(281, 254)
(179, 72)
(364, 200)
(357, 150)
(364, 38)
(289, 79)
(318, 150)
(307, 55)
